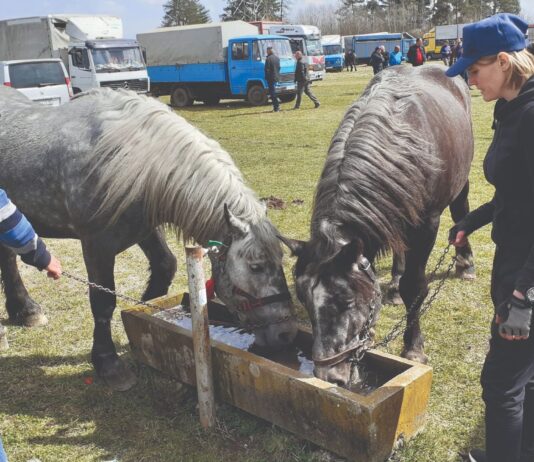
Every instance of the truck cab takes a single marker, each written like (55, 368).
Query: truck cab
(246, 67)
(334, 55)
(306, 39)
(112, 63)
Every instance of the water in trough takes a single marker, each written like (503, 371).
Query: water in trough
(296, 357)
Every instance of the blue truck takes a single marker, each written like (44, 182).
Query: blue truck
(363, 45)
(334, 55)
(210, 62)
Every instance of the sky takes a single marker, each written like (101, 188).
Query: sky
(139, 15)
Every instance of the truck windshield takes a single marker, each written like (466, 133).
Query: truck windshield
(281, 48)
(117, 59)
(314, 47)
(332, 49)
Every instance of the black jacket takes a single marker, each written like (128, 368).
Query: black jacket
(509, 166)
(301, 72)
(272, 68)
(412, 53)
(377, 60)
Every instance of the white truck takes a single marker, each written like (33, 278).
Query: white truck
(307, 39)
(91, 46)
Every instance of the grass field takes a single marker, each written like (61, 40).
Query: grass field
(49, 413)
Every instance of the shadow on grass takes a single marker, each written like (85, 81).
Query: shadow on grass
(154, 421)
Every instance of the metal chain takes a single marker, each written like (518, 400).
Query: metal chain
(396, 330)
(109, 291)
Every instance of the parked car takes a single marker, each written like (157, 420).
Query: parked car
(44, 81)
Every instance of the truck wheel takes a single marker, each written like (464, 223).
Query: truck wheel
(212, 101)
(180, 97)
(287, 98)
(256, 95)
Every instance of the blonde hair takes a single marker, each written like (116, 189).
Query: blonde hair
(520, 70)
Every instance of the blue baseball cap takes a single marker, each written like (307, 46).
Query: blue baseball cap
(501, 32)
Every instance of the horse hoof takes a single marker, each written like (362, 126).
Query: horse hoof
(117, 375)
(467, 274)
(414, 355)
(35, 320)
(3, 338)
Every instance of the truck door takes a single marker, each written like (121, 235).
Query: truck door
(80, 70)
(240, 66)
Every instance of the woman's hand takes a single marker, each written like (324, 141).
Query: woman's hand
(514, 316)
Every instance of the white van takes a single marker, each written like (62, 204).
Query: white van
(44, 81)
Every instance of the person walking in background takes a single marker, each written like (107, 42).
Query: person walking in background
(272, 76)
(303, 84)
(396, 58)
(498, 63)
(350, 60)
(458, 52)
(377, 60)
(446, 54)
(385, 55)
(416, 53)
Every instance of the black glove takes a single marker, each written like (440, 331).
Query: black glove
(515, 315)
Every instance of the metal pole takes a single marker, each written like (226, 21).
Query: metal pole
(201, 335)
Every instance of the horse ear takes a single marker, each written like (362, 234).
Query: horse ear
(296, 246)
(348, 255)
(238, 227)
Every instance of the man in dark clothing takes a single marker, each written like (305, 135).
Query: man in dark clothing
(272, 75)
(377, 60)
(303, 84)
(385, 54)
(416, 53)
(350, 60)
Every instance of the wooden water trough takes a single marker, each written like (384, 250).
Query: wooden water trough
(360, 428)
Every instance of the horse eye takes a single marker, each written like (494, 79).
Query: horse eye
(256, 268)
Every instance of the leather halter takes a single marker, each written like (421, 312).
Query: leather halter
(329, 361)
(250, 302)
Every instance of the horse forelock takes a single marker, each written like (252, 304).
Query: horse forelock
(150, 154)
(262, 242)
(374, 180)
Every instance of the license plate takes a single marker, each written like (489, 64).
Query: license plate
(49, 102)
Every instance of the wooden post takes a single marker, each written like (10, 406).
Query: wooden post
(201, 335)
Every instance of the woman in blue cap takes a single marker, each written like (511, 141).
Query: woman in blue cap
(500, 66)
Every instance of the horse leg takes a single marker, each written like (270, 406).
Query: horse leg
(100, 262)
(465, 267)
(162, 265)
(414, 286)
(397, 270)
(20, 307)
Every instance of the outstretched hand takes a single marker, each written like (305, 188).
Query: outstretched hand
(53, 270)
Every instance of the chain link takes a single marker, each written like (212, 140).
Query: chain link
(111, 292)
(397, 329)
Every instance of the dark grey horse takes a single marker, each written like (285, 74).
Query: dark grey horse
(109, 168)
(401, 155)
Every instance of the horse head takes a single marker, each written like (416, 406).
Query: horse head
(342, 298)
(250, 280)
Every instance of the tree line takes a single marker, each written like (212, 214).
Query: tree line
(346, 17)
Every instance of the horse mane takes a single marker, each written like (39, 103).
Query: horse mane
(148, 153)
(373, 184)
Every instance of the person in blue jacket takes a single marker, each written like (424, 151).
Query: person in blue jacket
(396, 58)
(18, 234)
(500, 66)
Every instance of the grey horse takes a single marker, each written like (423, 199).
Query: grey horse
(400, 156)
(110, 168)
